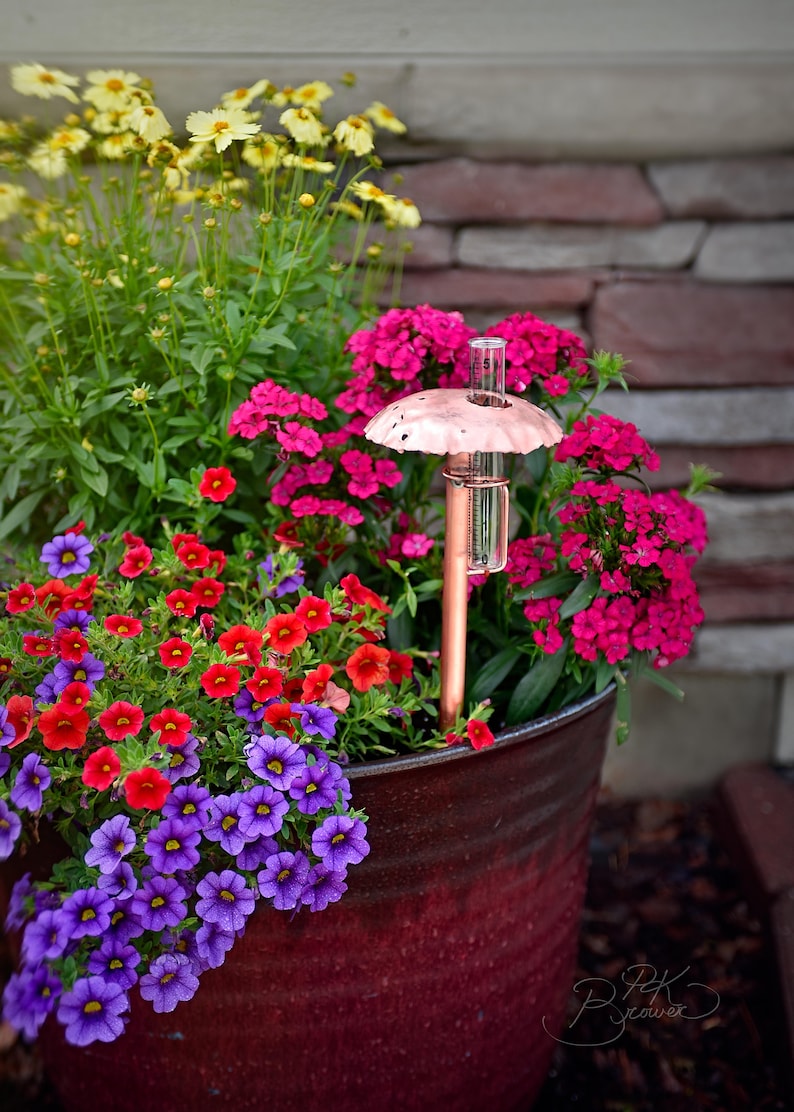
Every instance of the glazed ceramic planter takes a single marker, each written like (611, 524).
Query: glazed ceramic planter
(427, 987)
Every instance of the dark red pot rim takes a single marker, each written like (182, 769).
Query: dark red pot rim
(503, 740)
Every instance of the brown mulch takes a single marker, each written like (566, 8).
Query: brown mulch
(662, 896)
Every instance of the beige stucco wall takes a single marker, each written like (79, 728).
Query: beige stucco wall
(583, 78)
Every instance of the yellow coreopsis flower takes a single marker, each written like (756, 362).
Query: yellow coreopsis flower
(111, 90)
(11, 197)
(402, 212)
(383, 117)
(221, 126)
(48, 162)
(69, 139)
(311, 95)
(308, 162)
(368, 191)
(108, 123)
(264, 152)
(38, 81)
(10, 131)
(149, 122)
(118, 147)
(241, 98)
(355, 134)
(302, 125)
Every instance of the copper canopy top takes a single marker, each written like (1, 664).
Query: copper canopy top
(444, 422)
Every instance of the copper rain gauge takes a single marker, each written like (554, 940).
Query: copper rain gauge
(473, 428)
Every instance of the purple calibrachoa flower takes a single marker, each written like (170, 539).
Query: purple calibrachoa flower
(17, 912)
(340, 841)
(31, 782)
(5, 763)
(226, 900)
(172, 845)
(110, 842)
(247, 707)
(116, 962)
(46, 937)
(255, 853)
(189, 802)
(213, 944)
(73, 619)
(159, 903)
(124, 924)
(181, 761)
(315, 719)
(284, 878)
(29, 998)
(93, 1011)
(224, 823)
(313, 788)
(87, 912)
(7, 731)
(120, 884)
(68, 554)
(89, 671)
(273, 584)
(170, 979)
(324, 885)
(10, 827)
(275, 759)
(45, 691)
(261, 811)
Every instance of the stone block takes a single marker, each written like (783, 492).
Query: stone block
(554, 247)
(746, 592)
(707, 417)
(746, 188)
(740, 467)
(475, 287)
(738, 648)
(464, 191)
(759, 804)
(749, 528)
(679, 749)
(748, 252)
(697, 334)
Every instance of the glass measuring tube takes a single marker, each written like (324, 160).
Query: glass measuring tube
(488, 498)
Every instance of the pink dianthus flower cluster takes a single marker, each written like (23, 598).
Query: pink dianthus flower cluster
(540, 352)
(606, 443)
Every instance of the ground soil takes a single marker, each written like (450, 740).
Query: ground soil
(664, 907)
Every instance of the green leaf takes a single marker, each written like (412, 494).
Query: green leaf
(20, 513)
(552, 585)
(95, 478)
(622, 708)
(581, 597)
(657, 677)
(492, 673)
(535, 687)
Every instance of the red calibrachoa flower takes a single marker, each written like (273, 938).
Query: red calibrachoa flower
(101, 768)
(182, 603)
(368, 666)
(315, 684)
(175, 653)
(6, 665)
(217, 483)
(221, 681)
(401, 666)
(70, 645)
(193, 554)
(63, 728)
(314, 612)
(20, 715)
(50, 596)
(81, 597)
(280, 716)
(123, 626)
(173, 725)
(242, 640)
(478, 734)
(74, 696)
(136, 560)
(21, 598)
(207, 592)
(146, 789)
(35, 644)
(121, 720)
(285, 632)
(361, 595)
(266, 683)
